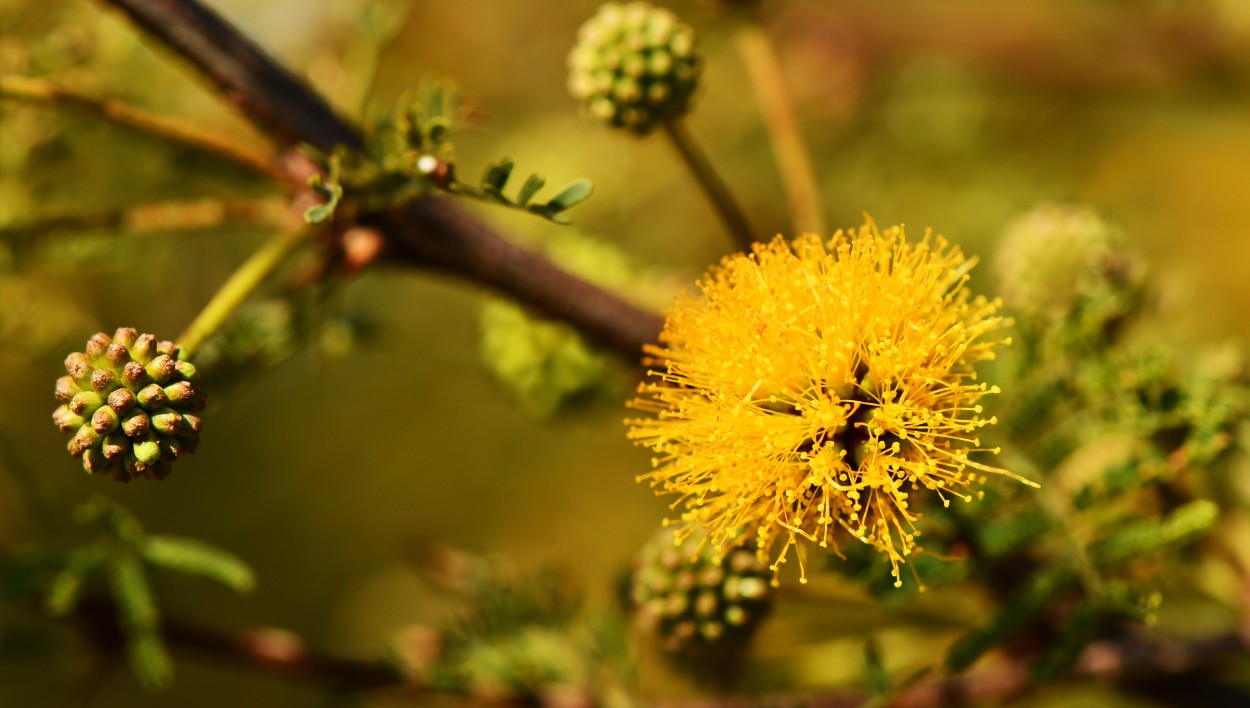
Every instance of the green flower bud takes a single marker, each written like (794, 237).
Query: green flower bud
(122, 400)
(148, 451)
(162, 368)
(65, 419)
(129, 401)
(181, 394)
(115, 445)
(97, 345)
(1065, 273)
(136, 423)
(104, 420)
(152, 397)
(634, 66)
(65, 389)
(167, 421)
(85, 402)
(103, 380)
(94, 461)
(117, 356)
(144, 348)
(79, 367)
(693, 600)
(135, 376)
(125, 337)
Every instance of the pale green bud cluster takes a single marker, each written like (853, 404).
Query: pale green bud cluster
(696, 602)
(634, 66)
(131, 405)
(1065, 266)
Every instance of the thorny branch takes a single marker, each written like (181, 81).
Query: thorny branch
(432, 233)
(266, 650)
(1128, 661)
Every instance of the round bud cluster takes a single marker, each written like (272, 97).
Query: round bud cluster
(1065, 265)
(131, 405)
(697, 603)
(634, 66)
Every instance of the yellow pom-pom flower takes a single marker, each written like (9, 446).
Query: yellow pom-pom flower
(820, 387)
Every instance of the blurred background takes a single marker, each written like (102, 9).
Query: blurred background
(326, 472)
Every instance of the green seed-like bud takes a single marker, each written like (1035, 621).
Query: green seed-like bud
(705, 606)
(126, 336)
(115, 445)
(188, 371)
(65, 419)
(85, 438)
(161, 369)
(98, 345)
(65, 389)
(94, 461)
(138, 432)
(167, 421)
(134, 376)
(136, 424)
(148, 450)
(121, 400)
(117, 356)
(84, 403)
(104, 420)
(79, 367)
(152, 397)
(191, 423)
(180, 394)
(144, 348)
(103, 380)
(634, 66)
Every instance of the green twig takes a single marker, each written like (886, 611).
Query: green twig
(717, 193)
(169, 129)
(180, 215)
(241, 284)
(769, 86)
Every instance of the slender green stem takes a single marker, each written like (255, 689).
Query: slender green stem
(1059, 512)
(718, 194)
(172, 130)
(768, 82)
(241, 284)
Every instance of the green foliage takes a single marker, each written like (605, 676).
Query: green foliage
(875, 676)
(327, 187)
(410, 154)
(194, 557)
(1145, 536)
(520, 637)
(1025, 605)
(495, 180)
(117, 560)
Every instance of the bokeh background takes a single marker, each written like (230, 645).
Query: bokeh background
(326, 472)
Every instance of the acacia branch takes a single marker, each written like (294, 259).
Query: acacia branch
(431, 232)
(171, 130)
(1129, 662)
(265, 650)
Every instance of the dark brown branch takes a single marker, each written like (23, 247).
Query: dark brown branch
(431, 233)
(270, 651)
(1127, 662)
(438, 235)
(265, 92)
